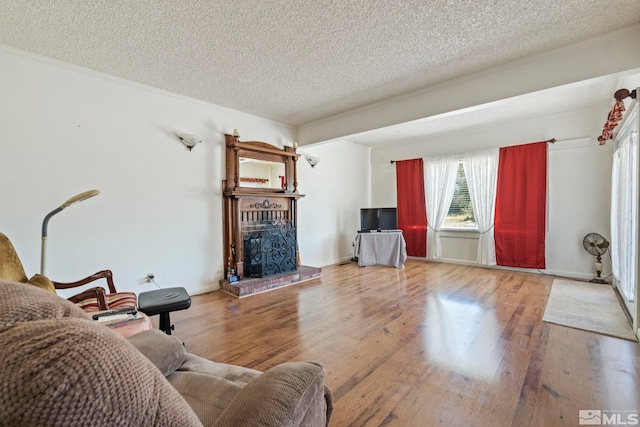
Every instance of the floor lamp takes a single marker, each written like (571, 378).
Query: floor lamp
(75, 199)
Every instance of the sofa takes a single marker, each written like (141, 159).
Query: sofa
(61, 368)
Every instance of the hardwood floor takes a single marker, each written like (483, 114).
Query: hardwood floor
(429, 344)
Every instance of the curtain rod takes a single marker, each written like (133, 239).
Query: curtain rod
(550, 141)
(624, 93)
(619, 95)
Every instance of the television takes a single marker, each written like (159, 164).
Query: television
(377, 219)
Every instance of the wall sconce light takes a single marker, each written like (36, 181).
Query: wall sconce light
(189, 140)
(313, 161)
(236, 134)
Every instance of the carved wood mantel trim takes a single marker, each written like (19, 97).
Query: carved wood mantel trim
(265, 205)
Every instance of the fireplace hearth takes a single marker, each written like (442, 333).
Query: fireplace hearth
(257, 285)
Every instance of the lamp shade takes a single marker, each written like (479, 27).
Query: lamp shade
(79, 197)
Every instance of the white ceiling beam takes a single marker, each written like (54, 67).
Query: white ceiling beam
(612, 53)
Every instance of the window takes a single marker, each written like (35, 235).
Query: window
(461, 212)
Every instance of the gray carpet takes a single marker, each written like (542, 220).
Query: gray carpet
(588, 306)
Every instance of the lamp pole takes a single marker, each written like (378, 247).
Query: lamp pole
(45, 223)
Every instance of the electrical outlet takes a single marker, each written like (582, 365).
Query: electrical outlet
(150, 277)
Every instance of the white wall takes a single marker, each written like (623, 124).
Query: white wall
(67, 130)
(578, 187)
(335, 190)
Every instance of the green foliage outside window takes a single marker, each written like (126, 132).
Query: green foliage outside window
(461, 211)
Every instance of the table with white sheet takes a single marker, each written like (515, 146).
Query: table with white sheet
(381, 248)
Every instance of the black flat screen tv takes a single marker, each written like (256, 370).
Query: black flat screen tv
(376, 219)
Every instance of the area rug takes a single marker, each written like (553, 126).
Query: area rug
(588, 306)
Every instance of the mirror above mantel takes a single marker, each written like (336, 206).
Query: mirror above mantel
(256, 173)
(259, 166)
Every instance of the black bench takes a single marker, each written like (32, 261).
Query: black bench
(163, 302)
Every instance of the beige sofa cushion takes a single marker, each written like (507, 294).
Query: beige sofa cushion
(282, 395)
(209, 387)
(67, 370)
(166, 352)
(222, 395)
(22, 303)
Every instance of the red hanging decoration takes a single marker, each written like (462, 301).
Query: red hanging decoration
(254, 180)
(613, 118)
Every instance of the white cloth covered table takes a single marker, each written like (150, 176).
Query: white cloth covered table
(384, 248)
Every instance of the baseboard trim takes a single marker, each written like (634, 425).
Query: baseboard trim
(555, 273)
(205, 290)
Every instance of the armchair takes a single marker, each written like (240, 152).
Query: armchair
(90, 300)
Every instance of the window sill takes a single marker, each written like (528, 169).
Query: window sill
(469, 233)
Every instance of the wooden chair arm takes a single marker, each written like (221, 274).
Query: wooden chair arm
(104, 274)
(97, 293)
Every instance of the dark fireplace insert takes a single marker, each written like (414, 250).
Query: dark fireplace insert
(269, 248)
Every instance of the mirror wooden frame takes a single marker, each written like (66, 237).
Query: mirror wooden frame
(259, 151)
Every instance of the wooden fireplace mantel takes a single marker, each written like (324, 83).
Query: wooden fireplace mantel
(248, 207)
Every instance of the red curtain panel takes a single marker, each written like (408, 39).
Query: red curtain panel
(412, 211)
(521, 199)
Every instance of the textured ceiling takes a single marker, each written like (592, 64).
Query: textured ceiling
(301, 61)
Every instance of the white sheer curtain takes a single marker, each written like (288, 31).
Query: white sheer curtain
(624, 196)
(481, 171)
(439, 185)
